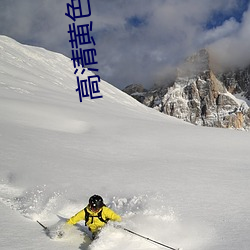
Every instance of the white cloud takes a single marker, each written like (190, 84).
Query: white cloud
(228, 28)
(170, 31)
(233, 50)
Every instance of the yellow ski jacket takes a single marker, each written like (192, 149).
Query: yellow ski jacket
(94, 223)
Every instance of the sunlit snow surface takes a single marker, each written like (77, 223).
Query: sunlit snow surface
(181, 185)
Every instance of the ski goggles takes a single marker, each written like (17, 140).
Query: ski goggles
(94, 208)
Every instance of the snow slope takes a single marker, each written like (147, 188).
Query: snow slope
(176, 183)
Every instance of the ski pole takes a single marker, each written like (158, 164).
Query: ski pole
(45, 228)
(146, 238)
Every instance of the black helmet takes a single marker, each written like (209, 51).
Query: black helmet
(96, 202)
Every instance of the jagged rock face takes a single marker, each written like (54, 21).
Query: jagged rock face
(137, 91)
(133, 88)
(237, 81)
(205, 102)
(199, 97)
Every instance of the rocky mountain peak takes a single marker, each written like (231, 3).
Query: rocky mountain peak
(202, 97)
(194, 65)
(134, 88)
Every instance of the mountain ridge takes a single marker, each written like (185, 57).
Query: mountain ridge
(202, 96)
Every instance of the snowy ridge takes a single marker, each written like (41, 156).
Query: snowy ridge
(179, 184)
(40, 71)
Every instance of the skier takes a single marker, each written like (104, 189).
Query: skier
(95, 214)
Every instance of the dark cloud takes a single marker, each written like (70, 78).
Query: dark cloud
(137, 41)
(34, 22)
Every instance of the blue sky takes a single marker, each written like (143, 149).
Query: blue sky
(137, 41)
(218, 17)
